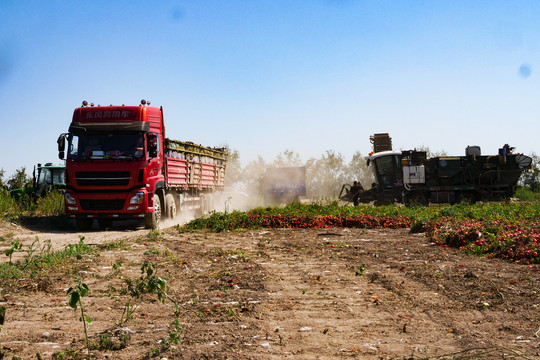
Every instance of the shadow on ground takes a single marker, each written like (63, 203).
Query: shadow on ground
(62, 224)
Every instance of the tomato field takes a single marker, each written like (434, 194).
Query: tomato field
(509, 231)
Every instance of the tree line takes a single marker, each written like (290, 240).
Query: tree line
(17, 180)
(324, 175)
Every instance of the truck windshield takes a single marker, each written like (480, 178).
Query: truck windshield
(106, 146)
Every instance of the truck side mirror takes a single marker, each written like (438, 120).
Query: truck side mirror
(61, 146)
(152, 145)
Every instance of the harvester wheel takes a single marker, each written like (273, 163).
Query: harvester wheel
(152, 219)
(416, 198)
(467, 197)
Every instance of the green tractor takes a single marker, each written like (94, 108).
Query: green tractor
(44, 178)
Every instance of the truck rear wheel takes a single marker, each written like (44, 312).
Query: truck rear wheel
(84, 223)
(152, 220)
(170, 206)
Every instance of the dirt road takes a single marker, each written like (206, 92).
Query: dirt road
(305, 294)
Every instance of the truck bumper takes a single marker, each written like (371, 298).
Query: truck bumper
(128, 205)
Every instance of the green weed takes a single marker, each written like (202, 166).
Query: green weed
(154, 235)
(13, 209)
(107, 341)
(68, 354)
(526, 194)
(76, 294)
(40, 258)
(152, 251)
(172, 339)
(14, 246)
(113, 245)
(50, 204)
(148, 283)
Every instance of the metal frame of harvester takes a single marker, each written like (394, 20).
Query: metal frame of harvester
(410, 177)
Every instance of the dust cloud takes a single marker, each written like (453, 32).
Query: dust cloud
(226, 202)
(181, 218)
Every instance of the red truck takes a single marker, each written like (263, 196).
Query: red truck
(121, 166)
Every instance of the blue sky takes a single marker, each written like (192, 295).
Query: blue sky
(266, 76)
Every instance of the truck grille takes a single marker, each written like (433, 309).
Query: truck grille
(102, 178)
(115, 204)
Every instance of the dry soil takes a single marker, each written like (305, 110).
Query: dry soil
(270, 294)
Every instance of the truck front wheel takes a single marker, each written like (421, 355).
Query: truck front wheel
(152, 219)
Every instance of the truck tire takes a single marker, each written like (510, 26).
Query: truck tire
(84, 224)
(152, 219)
(170, 206)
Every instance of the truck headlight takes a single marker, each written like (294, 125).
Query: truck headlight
(70, 199)
(137, 199)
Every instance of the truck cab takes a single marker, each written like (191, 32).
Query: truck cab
(114, 162)
(120, 166)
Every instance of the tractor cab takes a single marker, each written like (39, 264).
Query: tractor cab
(388, 174)
(397, 174)
(48, 176)
(388, 185)
(44, 178)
